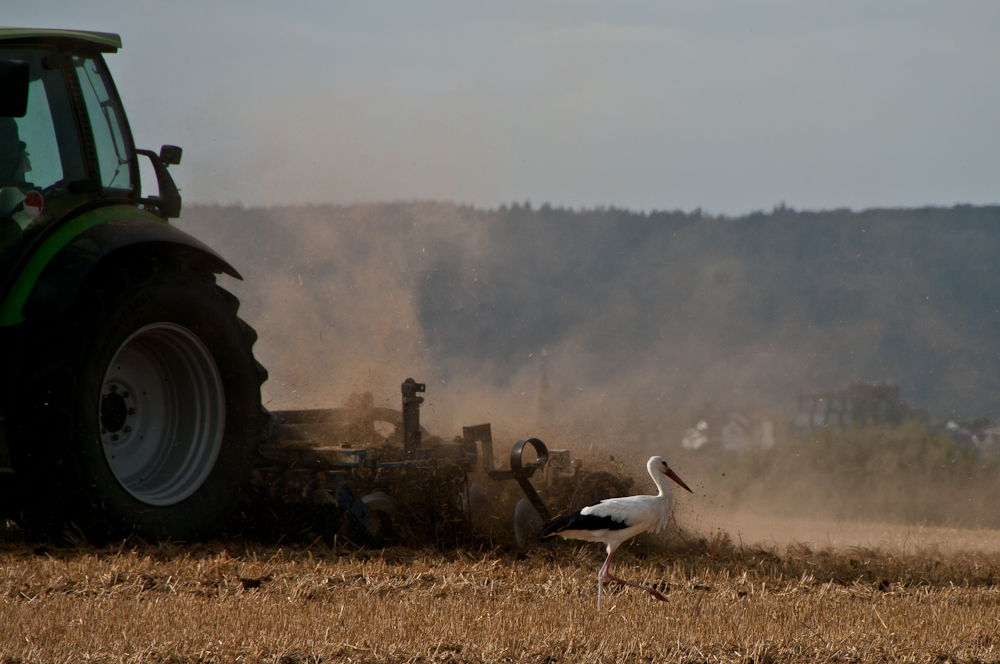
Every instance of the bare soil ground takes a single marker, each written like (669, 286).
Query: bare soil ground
(245, 602)
(750, 528)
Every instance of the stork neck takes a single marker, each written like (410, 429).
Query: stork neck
(660, 480)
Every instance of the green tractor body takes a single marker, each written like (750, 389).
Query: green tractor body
(130, 396)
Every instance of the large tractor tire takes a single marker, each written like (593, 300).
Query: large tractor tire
(138, 410)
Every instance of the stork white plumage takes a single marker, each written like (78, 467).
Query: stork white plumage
(614, 520)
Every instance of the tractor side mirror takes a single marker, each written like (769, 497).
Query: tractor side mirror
(170, 155)
(13, 88)
(169, 200)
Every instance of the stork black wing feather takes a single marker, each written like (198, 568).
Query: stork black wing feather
(578, 521)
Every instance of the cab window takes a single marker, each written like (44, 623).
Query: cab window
(107, 124)
(40, 152)
(41, 149)
(40, 163)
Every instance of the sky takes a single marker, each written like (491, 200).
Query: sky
(731, 106)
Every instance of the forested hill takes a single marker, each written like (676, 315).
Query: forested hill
(675, 309)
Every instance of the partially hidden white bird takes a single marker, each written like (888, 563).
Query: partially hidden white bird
(614, 520)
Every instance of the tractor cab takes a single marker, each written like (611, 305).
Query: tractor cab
(65, 143)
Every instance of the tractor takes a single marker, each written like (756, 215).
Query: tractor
(130, 394)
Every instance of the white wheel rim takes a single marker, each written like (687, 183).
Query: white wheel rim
(162, 414)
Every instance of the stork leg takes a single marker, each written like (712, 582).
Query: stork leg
(606, 572)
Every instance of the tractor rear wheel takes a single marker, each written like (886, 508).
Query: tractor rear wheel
(140, 411)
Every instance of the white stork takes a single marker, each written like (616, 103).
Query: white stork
(614, 520)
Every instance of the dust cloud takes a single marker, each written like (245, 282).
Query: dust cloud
(610, 333)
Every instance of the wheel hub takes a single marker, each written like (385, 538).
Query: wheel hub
(117, 414)
(162, 414)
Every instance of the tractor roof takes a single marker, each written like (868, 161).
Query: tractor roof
(103, 41)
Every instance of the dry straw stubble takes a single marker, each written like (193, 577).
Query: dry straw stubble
(229, 603)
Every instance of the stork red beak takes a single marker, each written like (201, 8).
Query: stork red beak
(672, 475)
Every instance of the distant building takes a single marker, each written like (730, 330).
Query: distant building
(981, 437)
(859, 405)
(733, 432)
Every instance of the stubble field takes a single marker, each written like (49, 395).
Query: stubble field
(244, 602)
